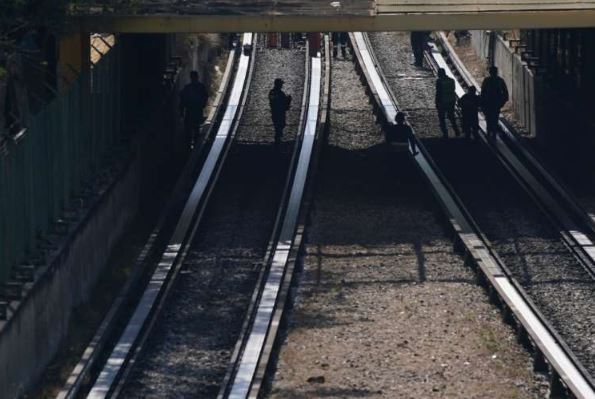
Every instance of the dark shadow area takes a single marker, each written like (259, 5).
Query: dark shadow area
(328, 392)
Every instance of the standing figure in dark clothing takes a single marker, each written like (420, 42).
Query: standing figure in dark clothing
(469, 105)
(494, 95)
(446, 98)
(461, 35)
(401, 132)
(193, 100)
(340, 39)
(419, 41)
(280, 103)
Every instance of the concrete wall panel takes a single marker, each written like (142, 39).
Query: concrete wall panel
(29, 340)
(518, 77)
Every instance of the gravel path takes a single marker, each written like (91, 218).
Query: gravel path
(190, 349)
(385, 308)
(522, 236)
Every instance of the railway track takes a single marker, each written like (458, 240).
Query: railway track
(557, 202)
(574, 227)
(436, 160)
(131, 341)
(181, 335)
(377, 262)
(86, 369)
(570, 190)
(253, 356)
(192, 345)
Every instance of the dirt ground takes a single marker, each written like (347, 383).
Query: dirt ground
(385, 307)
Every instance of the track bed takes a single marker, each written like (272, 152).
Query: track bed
(385, 307)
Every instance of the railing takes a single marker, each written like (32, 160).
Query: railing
(58, 153)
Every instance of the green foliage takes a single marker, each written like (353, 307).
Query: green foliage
(19, 16)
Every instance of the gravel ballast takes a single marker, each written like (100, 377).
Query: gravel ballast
(385, 307)
(189, 350)
(528, 244)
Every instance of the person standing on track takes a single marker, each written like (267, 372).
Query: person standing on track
(446, 99)
(340, 39)
(494, 95)
(193, 100)
(280, 103)
(469, 105)
(419, 41)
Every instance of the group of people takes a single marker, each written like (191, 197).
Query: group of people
(194, 98)
(494, 95)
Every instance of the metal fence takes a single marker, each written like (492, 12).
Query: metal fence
(62, 147)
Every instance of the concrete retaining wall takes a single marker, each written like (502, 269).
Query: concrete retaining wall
(30, 338)
(519, 78)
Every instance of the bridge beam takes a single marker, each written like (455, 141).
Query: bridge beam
(350, 23)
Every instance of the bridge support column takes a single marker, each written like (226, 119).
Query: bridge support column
(74, 58)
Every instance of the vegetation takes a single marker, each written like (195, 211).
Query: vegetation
(20, 16)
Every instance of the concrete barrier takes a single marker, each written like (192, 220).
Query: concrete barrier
(29, 339)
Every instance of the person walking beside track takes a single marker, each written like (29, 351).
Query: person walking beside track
(280, 103)
(469, 105)
(494, 95)
(446, 99)
(193, 100)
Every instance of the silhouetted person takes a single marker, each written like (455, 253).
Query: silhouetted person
(280, 103)
(193, 100)
(401, 132)
(446, 99)
(461, 35)
(419, 40)
(494, 95)
(469, 105)
(340, 39)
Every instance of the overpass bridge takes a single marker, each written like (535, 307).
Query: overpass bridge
(160, 16)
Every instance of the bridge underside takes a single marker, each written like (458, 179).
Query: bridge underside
(160, 16)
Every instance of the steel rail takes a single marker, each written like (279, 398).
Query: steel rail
(273, 339)
(144, 316)
(564, 368)
(263, 321)
(555, 201)
(250, 312)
